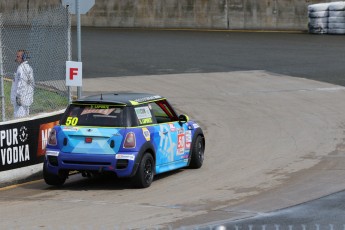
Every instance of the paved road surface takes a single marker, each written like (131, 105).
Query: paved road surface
(324, 213)
(109, 53)
(273, 140)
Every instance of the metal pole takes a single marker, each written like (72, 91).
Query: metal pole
(79, 89)
(3, 112)
(227, 14)
(69, 50)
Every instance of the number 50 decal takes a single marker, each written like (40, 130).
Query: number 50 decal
(72, 121)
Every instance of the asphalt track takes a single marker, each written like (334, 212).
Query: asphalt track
(125, 52)
(272, 140)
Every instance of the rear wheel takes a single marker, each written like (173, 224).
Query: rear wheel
(53, 179)
(144, 176)
(198, 150)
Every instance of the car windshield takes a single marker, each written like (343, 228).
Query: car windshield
(94, 115)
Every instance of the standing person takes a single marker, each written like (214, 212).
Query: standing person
(22, 91)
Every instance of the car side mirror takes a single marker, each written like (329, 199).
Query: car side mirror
(183, 118)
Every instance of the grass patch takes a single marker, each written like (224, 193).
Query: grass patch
(45, 100)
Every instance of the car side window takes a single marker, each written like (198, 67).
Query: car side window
(162, 112)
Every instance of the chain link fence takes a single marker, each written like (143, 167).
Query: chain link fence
(45, 35)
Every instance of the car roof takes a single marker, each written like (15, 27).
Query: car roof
(124, 99)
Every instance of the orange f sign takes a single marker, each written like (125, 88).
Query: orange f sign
(74, 73)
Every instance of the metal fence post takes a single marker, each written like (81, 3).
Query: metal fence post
(3, 117)
(69, 50)
(79, 88)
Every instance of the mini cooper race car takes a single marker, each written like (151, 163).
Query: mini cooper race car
(130, 134)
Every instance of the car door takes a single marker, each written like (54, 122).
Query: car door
(170, 137)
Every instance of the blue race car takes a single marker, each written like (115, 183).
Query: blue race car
(133, 135)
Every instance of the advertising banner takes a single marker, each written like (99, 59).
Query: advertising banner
(23, 143)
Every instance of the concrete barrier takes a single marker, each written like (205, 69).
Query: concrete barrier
(208, 14)
(21, 175)
(22, 146)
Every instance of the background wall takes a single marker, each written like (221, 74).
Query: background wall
(212, 14)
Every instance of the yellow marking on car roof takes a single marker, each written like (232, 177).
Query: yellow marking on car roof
(134, 102)
(145, 102)
(155, 124)
(119, 104)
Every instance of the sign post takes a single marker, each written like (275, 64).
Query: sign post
(78, 7)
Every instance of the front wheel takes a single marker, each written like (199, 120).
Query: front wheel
(53, 179)
(144, 176)
(198, 150)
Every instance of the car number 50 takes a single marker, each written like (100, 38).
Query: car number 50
(72, 121)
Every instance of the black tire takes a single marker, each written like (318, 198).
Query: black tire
(198, 150)
(144, 176)
(52, 179)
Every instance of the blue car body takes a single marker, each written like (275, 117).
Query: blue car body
(113, 132)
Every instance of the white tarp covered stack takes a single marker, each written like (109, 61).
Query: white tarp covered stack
(327, 18)
(318, 18)
(336, 18)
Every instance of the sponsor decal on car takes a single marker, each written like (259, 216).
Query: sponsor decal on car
(144, 115)
(146, 134)
(66, 129)
(188, 139)
(125, 157)
(52, 153)
(195, 125)
(180, 142)
(172, 127)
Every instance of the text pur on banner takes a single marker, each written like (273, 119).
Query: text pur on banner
(18, 142)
